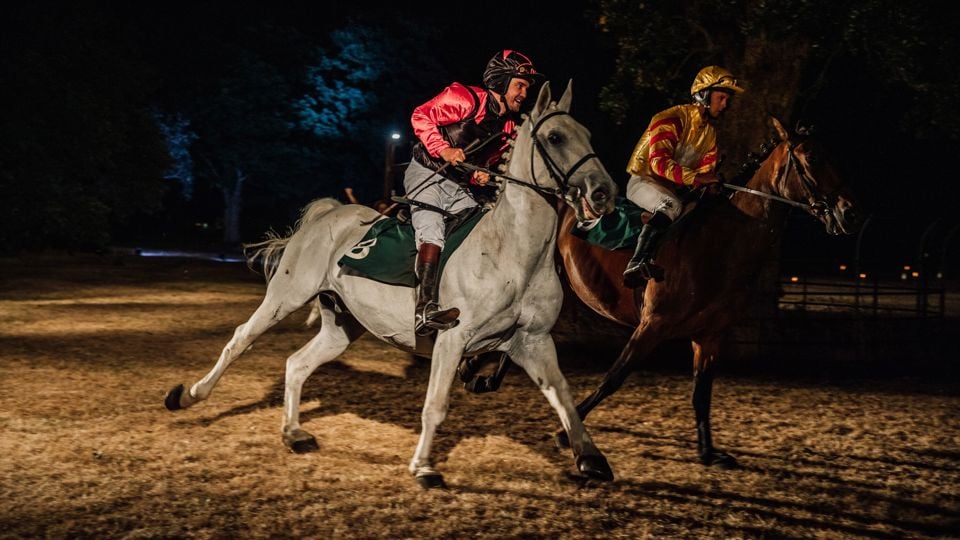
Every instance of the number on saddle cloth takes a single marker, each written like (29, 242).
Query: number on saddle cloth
(388, 252)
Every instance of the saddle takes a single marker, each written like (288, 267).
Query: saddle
(388, 252)
(620, 228)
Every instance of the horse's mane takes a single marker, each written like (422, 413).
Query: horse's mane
(755, 159)
(753, 162)
(504, 165)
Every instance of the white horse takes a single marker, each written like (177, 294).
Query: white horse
(502, 278)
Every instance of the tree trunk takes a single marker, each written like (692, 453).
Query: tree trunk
(770, 71)
(232, 199)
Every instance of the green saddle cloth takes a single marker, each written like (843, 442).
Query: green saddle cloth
(388, 252)
(616, 230)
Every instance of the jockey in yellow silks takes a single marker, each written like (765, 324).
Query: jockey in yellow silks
(678, 148)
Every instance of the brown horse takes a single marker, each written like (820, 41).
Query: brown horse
(712, 259)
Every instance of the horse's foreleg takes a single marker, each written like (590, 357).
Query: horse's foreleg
(270, 312)
(336, 333)
(443, 367)
(537, 355)
(705, 353)
(642, 341)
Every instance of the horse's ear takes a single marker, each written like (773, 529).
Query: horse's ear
(781, 133)
(566, 98)
(802, 130)
(543, 100)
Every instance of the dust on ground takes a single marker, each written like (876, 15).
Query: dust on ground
(90, 345)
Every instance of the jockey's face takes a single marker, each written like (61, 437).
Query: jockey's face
(516, 94)
(719, 100)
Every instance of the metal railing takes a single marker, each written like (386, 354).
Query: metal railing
(880, 279)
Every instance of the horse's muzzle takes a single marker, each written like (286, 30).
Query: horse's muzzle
(601, 194)
(594, 199)
(843, 218)
(600, 197)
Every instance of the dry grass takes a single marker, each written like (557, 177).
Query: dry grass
(89, 348)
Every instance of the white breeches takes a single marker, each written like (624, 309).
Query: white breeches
(653, 195)
(436, 191)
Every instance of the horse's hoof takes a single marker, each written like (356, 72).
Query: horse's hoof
(300, 442)
(561, 439)
(467, 369)
(432, 480)
(172, 401)
(595, 466)
(721, 460)
(480, 385)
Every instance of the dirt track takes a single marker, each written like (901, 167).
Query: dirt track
(89, 347)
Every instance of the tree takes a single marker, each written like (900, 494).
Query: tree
(282, 118)
(179, 137)
(79, 152)
(795, 56)
(241, 128)
(358, 91)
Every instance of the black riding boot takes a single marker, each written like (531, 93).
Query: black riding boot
(429, 316)
(641, 266)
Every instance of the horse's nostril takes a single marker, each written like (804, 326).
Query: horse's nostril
(599, 195)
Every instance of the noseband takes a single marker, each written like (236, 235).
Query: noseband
(556, 173)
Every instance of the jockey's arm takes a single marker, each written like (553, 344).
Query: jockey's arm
(451, 105)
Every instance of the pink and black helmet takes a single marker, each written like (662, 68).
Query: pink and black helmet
(506, 65)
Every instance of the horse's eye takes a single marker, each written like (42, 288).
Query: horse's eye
(554, 137)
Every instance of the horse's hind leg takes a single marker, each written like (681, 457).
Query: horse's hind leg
(337, 331)
(705, 352)
(538, 357)
(274, 308)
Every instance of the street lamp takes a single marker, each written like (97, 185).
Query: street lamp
(389, 164)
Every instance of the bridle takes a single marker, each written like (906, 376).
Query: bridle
(561, 178)
(821, 204)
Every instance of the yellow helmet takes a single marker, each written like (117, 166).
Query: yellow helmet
(714, 77)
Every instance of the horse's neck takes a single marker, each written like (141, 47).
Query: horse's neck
(526, 211)
(766, 213)
(526, 207)
(521, 208)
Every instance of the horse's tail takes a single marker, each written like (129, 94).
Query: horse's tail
(269, 251)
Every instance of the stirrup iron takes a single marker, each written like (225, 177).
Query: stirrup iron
(432, 318)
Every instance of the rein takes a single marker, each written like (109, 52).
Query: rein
(820, 207)
(556, 192)
(556, 173)
(742, 189)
